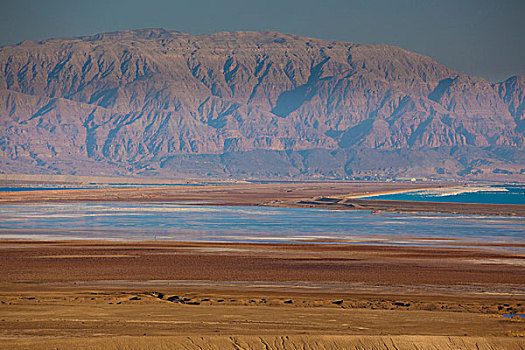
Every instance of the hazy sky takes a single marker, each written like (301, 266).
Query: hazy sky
(478, 37)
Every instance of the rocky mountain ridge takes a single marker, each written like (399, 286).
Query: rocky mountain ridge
(251, 104)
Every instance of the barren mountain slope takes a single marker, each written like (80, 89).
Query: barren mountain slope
(266, 104)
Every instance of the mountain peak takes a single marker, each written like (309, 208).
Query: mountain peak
(146, 33)
(148, 98)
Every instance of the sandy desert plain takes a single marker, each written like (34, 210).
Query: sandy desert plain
(102, 294)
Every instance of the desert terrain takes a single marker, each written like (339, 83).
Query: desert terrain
(248, 296)
(189, 295)
(217, 179)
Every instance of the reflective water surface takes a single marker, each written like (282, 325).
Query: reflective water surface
(56, 187)
(161, 221)
(501, 194)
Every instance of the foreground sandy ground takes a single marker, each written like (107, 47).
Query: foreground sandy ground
(162, 295)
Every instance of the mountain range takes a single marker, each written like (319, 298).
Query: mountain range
(155, 102)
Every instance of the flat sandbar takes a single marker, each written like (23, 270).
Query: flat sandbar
(26, 264)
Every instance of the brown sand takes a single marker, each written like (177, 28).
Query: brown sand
(378, 205)
(46, 262)
(243, 296)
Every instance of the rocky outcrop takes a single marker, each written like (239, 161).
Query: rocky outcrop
(512, 91)
(148, 101)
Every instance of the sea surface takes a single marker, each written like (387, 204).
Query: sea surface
(500, 194)
(180, 222)
(44, 187)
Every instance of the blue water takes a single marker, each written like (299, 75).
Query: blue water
(513, 315)
(38, 188)
(124, 221)
(504, 194)
(44, 187)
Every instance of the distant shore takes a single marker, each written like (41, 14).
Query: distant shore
(384, 193)
(323, 195)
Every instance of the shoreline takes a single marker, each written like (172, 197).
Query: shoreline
(340, 196)
(415, 207)
(373, 241)
(375, 194)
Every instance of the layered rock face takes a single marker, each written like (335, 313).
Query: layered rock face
(250, 104)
